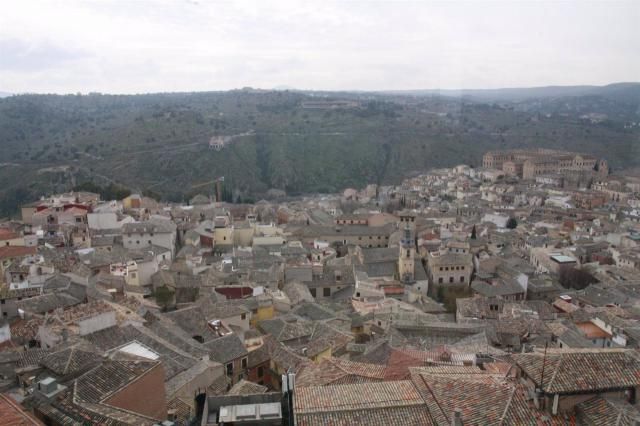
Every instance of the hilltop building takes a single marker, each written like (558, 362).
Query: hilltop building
(528, 164)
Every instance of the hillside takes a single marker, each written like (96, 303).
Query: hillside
(620, 92)
(286, 140)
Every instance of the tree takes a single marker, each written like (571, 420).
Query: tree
(164, 297)
(572, 277)
(512, 223)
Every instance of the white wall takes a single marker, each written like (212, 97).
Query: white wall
(97, 323)
(5, 333)
(137, 241)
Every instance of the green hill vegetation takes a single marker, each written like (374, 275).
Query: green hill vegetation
(158, 143)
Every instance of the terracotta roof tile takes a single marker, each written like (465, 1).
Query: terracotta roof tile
(576, 371)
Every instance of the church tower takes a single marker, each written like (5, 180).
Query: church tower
(406, 258)
(603, 168)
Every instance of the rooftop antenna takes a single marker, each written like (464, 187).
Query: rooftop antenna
(544, 362)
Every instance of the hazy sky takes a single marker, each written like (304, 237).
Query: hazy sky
(123, 46)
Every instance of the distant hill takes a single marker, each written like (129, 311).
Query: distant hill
(5, 94)
(620, 91)
(159, 143)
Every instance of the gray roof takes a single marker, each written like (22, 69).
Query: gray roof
(297, 292)
(372, 255)
(349, 230)
(173, 358)
(379, 269)
(226, 348)
(155, 226)
(500, 288)
(70, 361)
(47, 302)
(450, 259)
(573, 339)
(314, 312)
(193, 321)
(244, 387)
(56, 282)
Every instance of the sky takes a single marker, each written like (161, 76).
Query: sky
(122, 46)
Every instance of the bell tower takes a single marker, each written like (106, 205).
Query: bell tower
(406, 257)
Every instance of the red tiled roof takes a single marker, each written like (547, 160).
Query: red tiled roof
(393, 289)
(339, 371)
(13, 414)
(7, 252)
(581, 371)
(7, 234)
(592, 331)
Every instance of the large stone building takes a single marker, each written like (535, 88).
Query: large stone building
(406, 257)
(450, 269)
(528, 164)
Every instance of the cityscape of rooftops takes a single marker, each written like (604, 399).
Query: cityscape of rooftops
(311, 213)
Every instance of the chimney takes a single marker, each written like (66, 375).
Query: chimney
(457, 417)
(537, 399)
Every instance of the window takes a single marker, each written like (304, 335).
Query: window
(149, 241)
(260, 371)
(461, 279)
(137, 241)
(450, 279)
(133, 275)
(441, 268)
(229, 368)
(243, 363)
(312, 291)
(243, 316)
(224, 238)
(440, 280)
(326, 292)
(408, 254)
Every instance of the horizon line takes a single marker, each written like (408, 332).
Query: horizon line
(285, 88)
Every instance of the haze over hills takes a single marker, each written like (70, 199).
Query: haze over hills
(295, 141)
(620, 91)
